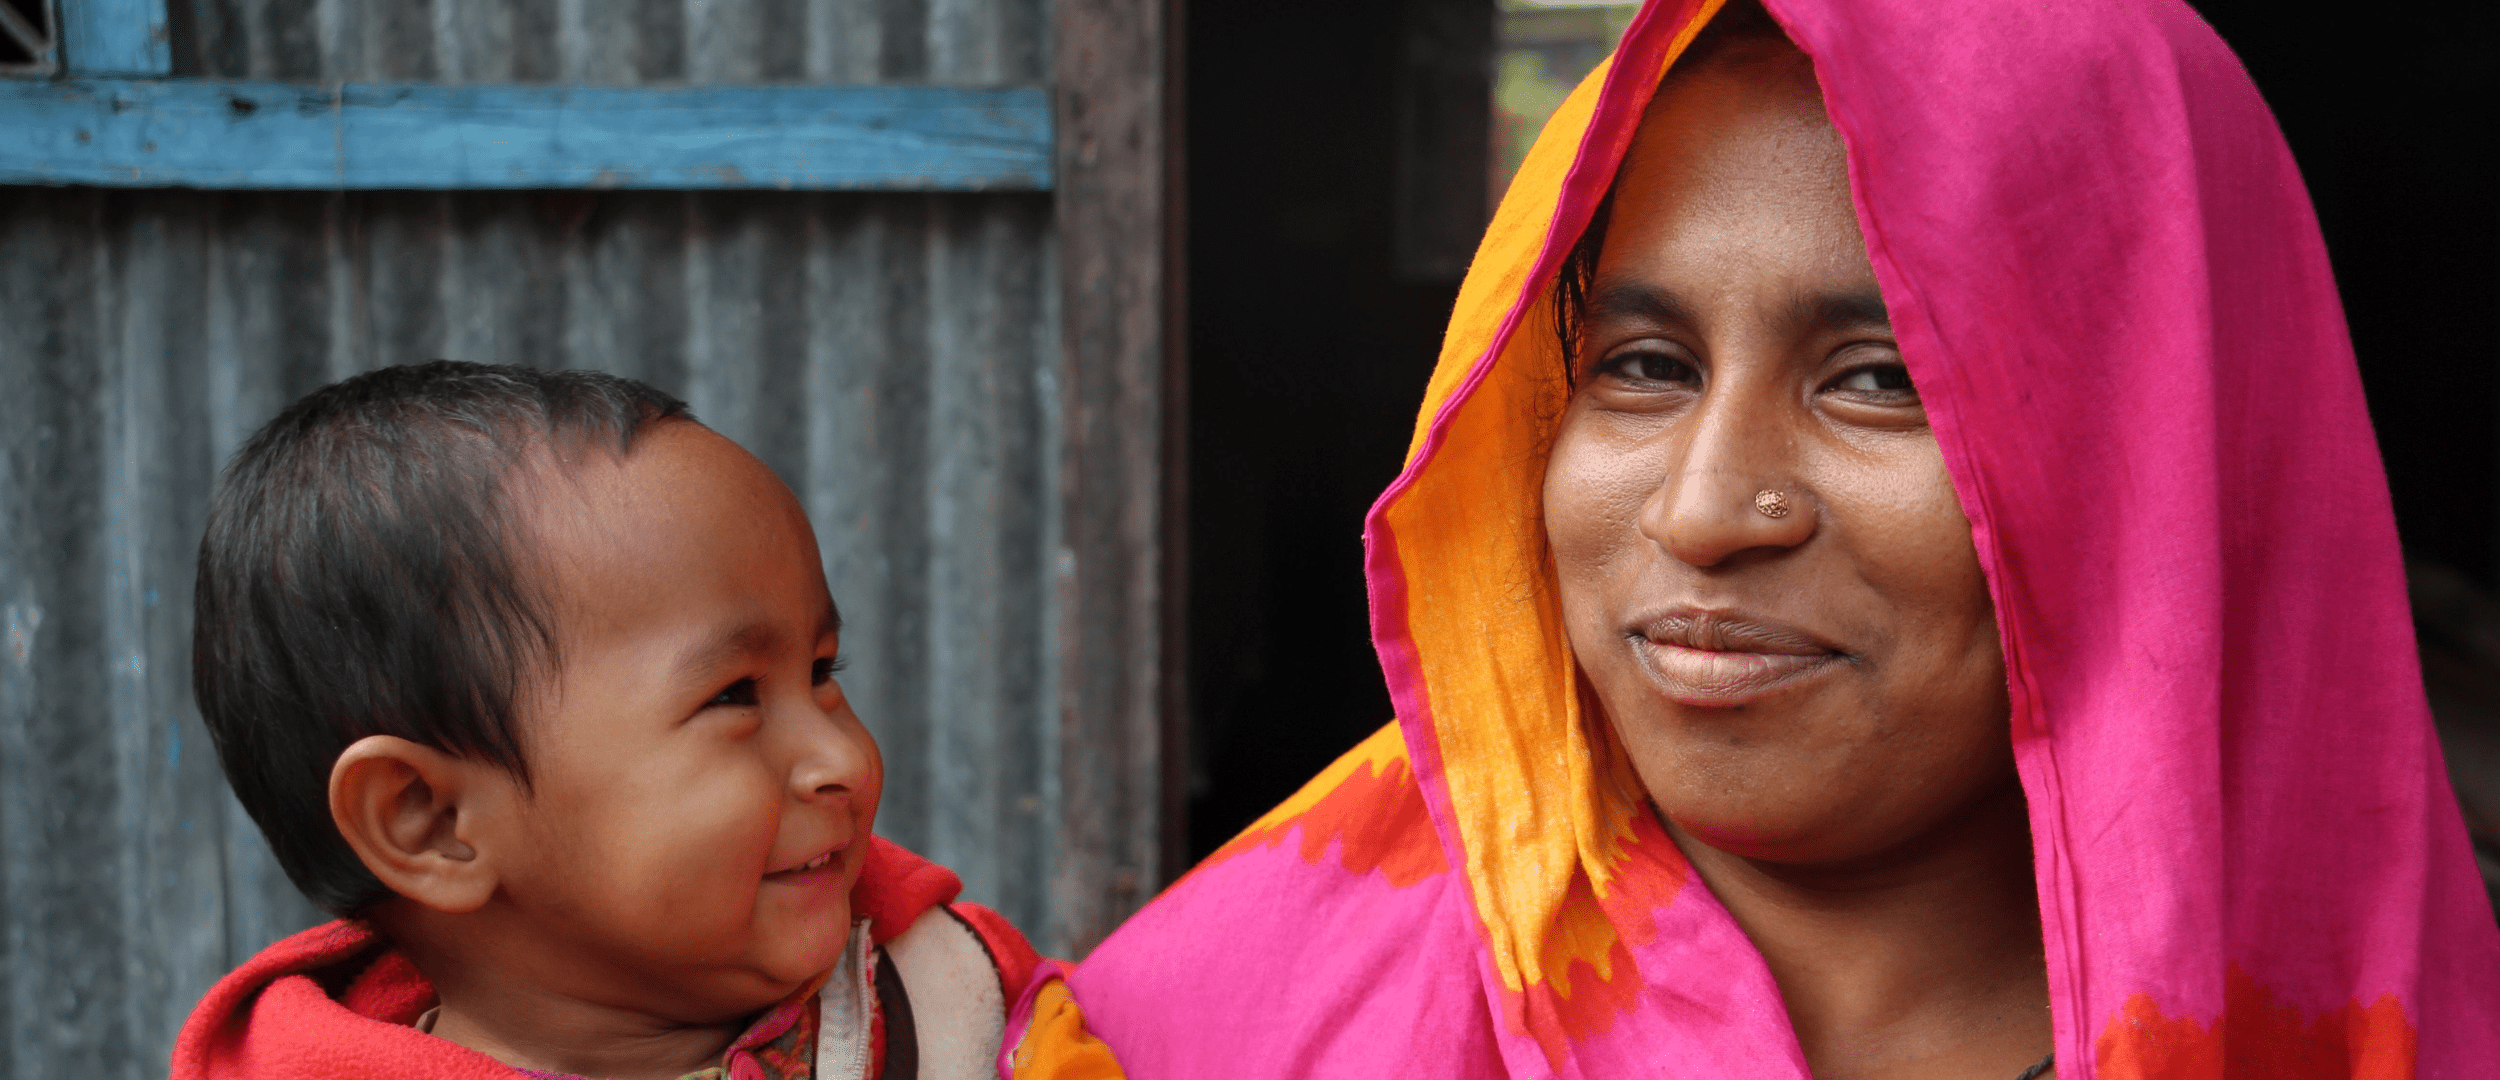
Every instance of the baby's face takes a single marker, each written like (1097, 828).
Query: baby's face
(701, 792)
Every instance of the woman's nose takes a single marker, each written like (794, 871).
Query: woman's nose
(1730, 490)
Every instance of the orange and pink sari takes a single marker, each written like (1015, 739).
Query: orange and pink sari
(2106, 278)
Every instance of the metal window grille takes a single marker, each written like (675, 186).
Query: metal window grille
(26, 37)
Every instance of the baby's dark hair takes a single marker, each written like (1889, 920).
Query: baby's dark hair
(357, 578)
(1739, 22)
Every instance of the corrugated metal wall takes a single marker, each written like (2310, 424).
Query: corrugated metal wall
(892, 355)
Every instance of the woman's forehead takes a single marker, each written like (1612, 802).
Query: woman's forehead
(1757, 114)
(1735, 172)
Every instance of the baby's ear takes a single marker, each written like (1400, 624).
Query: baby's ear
(409, 811)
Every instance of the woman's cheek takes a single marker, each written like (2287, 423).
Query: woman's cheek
(1589, 519)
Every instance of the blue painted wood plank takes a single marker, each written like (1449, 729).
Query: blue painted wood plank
(115, 37)
(228, 134)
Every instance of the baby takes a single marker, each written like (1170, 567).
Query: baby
(530, 678)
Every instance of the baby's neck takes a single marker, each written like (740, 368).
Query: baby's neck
(565, 1020)
(528, 1031)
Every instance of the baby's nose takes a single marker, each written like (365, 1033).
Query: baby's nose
(834, 758)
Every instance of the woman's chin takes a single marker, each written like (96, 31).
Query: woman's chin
(1745, 840)
(1767, 837)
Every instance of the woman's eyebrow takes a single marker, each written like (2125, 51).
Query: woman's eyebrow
(1855, 308)
(1862, 308)
(1632, 299)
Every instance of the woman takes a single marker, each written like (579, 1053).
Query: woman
(1893, 579)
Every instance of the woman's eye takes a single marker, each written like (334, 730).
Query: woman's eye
(741, 692)
(1652, 367)
(827, 667)
(1888, 379)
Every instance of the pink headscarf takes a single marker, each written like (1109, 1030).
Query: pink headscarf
(2107, 281)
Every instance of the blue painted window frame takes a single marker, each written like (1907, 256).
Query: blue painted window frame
(114, 118)
(115, 37)
(38, 37)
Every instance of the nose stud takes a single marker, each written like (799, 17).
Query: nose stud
(1771, 503)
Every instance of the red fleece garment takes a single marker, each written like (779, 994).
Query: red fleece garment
(336, 1003)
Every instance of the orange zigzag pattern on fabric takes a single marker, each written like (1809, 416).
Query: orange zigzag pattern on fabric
(2258, 1036)
(1056, 1046)
(1588, 996)
(1367, 800)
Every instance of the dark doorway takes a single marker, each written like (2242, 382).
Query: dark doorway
(2390, 117)
(1334, 152)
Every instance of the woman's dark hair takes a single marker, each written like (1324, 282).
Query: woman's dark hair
(1739, 21)
(1571, 287)
(357, 578)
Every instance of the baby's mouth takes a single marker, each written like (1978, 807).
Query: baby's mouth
(817, 863)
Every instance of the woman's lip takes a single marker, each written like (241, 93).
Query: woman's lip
(1721, 678)
(1729, 631)
(1720, 658)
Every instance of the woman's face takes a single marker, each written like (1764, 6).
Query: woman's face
(1820, 686)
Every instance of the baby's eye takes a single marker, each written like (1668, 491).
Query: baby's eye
(827, 667)
(741, 692)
